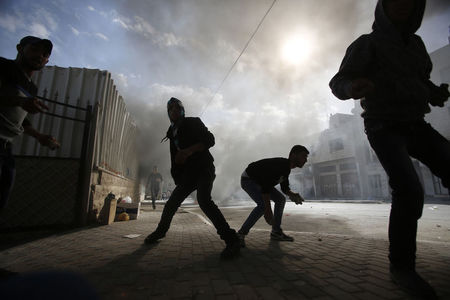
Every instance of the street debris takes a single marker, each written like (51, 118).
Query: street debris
(132, 236)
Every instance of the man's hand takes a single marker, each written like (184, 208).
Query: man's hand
(295, 197)
(360, 87)
(439, 95)
(48, 141)
(33, 105)
(268, 215)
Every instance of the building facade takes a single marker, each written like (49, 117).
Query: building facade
(342, 165)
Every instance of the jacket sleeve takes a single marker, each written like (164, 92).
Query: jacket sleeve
(428, 68)
(356, 61)
(203, 134)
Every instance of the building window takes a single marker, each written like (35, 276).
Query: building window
(328, 185)
(376, 189)
(336, 145)
(350, 185)
(327, 169)
(347, 166)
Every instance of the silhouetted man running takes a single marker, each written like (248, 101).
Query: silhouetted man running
(192, 169)
(390, 70)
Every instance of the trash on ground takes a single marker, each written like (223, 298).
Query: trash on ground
(132, 236)
(123, 217)
(126, 199)
(319, 239)
(438, 225)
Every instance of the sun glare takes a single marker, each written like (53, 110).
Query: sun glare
(296, 50)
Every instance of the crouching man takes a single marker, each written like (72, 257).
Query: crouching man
(259, 180)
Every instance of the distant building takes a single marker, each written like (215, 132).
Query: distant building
(342, 165)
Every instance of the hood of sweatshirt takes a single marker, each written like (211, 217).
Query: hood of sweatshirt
(384, 25)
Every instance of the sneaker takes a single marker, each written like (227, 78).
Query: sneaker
(411, 282)
(280, 236)
(153, 238)
(232, 249)
(241, 237)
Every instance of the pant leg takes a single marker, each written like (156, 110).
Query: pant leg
(154, 195)
(7, 175)
(433, 150)
(390, 145)
(178, 195)
(204, 188)
(280, 201)
(254, 191)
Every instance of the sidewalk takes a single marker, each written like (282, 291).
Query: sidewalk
(186, 264)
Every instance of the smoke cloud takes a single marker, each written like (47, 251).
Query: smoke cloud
(266, 105)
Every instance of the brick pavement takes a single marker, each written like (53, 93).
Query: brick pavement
(186, 265)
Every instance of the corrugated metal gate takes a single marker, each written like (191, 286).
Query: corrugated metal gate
(52, 187)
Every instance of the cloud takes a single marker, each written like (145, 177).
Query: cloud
(42, 14)
(39, 30)
(74, 30)
(121, 22)
(122, 81)
(10, 23)
(102, 36)
(91, 8)
(143, 28)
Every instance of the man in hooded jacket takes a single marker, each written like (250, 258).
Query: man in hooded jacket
(389, 70)
(192, 168)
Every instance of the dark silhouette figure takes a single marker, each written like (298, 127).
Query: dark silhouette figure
(192, 169)
(259, 180)
(154, 182)
(17, 99)
(390, 70)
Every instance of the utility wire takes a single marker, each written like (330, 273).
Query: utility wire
(237, 59)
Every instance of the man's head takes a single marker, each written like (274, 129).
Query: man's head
(298, 156)
(399, 11)
(33, 53)
(175, 109)
(155, 169)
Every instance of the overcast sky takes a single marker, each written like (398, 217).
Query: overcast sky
(276, 95)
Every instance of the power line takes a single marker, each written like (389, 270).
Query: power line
(237, 59)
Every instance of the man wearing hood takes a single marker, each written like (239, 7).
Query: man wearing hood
(389, 70)
(192, 168)
(17, 99)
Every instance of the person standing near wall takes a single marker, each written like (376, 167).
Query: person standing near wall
(17, 99)
(389, 70)
(154, 182)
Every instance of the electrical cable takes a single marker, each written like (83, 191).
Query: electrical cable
(237, 59)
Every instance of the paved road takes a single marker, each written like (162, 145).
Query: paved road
(319, 264)
(355, 219)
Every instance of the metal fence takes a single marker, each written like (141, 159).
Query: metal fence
(115, 143)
